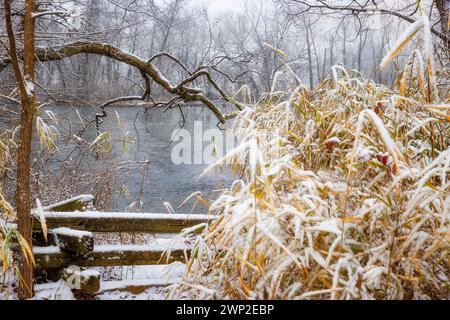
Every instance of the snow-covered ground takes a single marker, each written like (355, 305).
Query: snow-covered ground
(113, 286)
(118, 279)
(8, 287)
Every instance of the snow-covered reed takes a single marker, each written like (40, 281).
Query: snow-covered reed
(344, 193)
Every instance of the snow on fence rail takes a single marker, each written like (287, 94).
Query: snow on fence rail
(70, 238)
(67, 245)
(122, 222)
(111, 255)
(82, 202)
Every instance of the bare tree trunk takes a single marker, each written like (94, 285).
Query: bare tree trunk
(310, 66)
(26, 88)
(24, 152)
(344, 45)
(443, 7)
(332, 51)
(361, 46)
(324, 64)
(316, 55)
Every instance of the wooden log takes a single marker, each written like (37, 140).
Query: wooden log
(128, 255)
(74, 242)
(87, 282)
(79, 203)
(123, 222)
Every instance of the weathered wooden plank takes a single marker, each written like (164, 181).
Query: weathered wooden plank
(127, 255)
(75, 242)
(87, 281)
(79, 203)
(122, 222)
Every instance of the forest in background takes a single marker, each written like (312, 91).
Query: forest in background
(259, 55)
(315, 39)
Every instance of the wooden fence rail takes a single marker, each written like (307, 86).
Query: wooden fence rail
(110, 255)
(70, 240)
(104, 222)
(66, 251)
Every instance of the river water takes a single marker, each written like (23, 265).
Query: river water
(162, 180)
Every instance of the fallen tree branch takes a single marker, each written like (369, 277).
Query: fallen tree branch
(147, 69)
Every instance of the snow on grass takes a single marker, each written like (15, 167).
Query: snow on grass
(401, 42)
(356, 205)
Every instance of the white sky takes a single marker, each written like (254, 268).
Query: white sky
(217, 6)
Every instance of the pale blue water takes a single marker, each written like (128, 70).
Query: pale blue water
(163, 181)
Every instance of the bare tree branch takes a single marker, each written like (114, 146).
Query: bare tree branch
(147, 69)
(321, 4)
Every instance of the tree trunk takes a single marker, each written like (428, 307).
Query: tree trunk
(310, 66)
(344, 45)
(443, 7)
(24, 152)
(25, 83)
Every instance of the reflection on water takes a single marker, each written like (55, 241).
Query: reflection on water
(151, 133)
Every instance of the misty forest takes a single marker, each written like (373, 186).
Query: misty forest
(211, 149)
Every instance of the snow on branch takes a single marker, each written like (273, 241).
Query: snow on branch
(149, 71)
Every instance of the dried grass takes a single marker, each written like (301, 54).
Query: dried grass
(345, 194)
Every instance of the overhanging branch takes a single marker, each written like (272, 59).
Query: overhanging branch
(147, 69)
